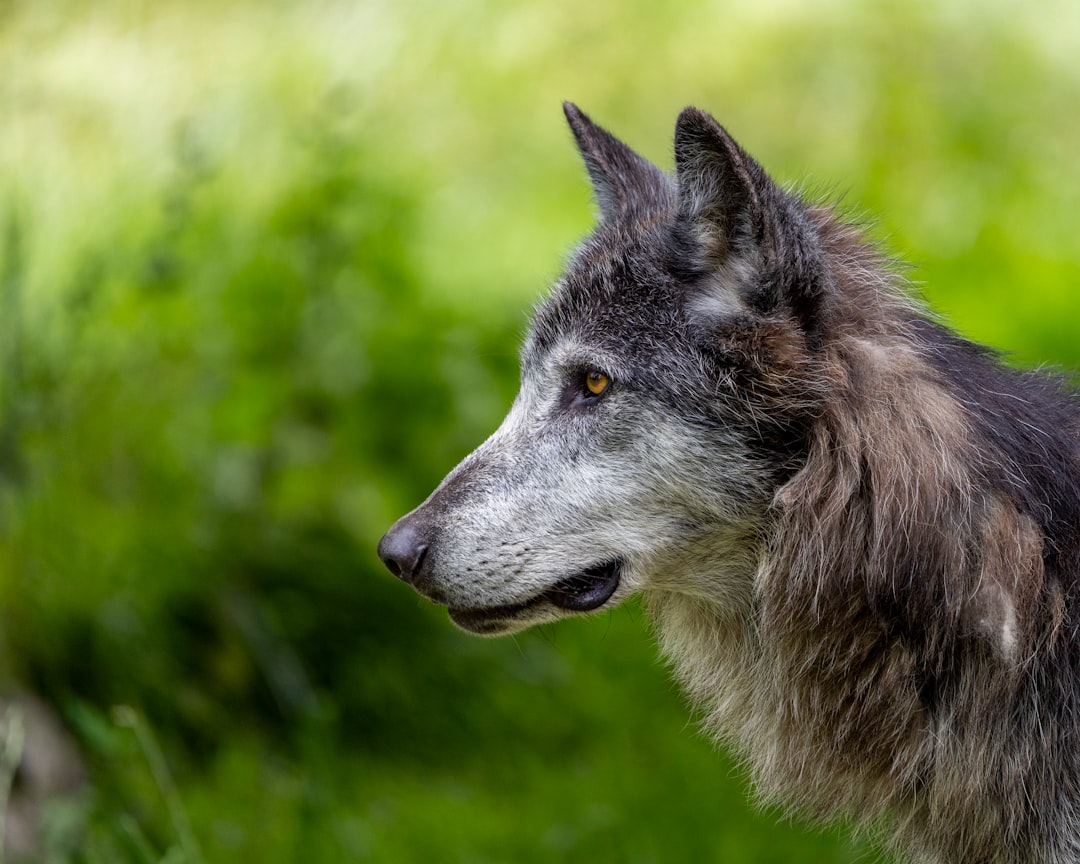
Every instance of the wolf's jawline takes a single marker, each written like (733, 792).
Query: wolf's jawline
(858, 533)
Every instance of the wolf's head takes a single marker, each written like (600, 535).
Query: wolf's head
(665, 393)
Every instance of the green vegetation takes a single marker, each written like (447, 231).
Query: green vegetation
(263, 271)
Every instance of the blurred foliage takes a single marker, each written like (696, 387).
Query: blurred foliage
(263, 270)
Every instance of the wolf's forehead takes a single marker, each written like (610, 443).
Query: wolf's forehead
(611, 298)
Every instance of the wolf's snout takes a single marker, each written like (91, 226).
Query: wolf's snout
(403, 549)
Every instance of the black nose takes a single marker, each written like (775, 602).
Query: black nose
(403, 549)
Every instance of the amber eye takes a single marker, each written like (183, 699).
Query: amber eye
(596, 382)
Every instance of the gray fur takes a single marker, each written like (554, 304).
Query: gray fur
(857, 534)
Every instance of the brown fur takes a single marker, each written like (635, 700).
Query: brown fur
(823, 685)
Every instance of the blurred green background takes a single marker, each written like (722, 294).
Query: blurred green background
(264, 267)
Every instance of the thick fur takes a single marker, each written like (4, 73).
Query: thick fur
(857, 533)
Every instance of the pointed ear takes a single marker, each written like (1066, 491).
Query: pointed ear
(625, 184)
(720, 186)
(732, 213)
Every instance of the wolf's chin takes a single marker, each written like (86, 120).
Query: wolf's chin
(583, 591)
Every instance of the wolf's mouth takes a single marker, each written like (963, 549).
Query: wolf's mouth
(580, 592)
(590, 589)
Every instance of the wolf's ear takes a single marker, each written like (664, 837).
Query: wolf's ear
(720, 186)
(730, 209)
(625, 183)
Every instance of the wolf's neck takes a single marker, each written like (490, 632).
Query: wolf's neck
(886, 660)
(829, 736)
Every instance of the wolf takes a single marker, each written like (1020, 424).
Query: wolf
(857, 533)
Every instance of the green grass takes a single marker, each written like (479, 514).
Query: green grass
(263, 272)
